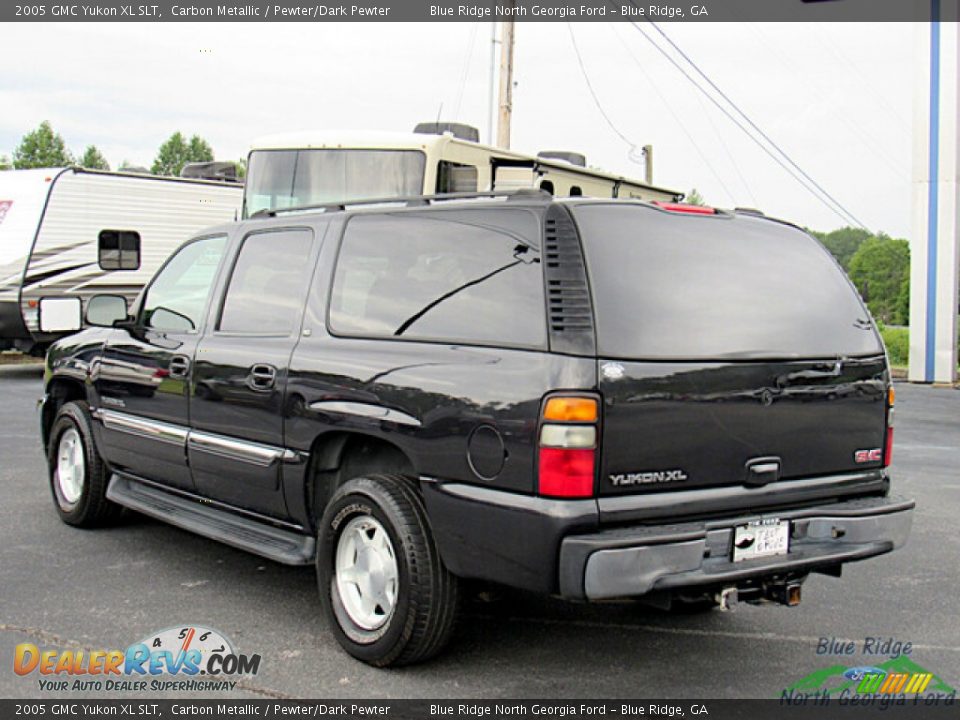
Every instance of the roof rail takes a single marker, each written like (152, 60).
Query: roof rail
(410, 201)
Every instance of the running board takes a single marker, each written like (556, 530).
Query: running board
(282, 546)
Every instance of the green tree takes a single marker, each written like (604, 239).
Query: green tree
(241, 168)
(902, 315)
(694, 198)
(843, 243)
(93, 159)
(41, 148)
(177, 151)
(5, 163)
(879, 269)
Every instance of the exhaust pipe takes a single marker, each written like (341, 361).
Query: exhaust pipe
(726, 598)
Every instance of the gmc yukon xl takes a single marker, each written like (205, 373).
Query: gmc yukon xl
(594, 399)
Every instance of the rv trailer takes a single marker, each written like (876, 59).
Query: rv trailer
(319, 168)
(69, 233)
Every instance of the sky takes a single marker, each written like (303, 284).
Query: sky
(838, 98)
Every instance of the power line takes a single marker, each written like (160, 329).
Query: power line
(465, 72)
(676, 116)
(740, 125)
(877, 151)
(726, 150)
(593, 94)
(755, 126)
(838, 206)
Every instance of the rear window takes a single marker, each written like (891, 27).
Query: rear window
(669, 287)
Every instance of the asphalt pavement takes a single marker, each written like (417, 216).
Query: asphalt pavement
(63, 588)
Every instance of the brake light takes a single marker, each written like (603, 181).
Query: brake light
(888, 446)
(685, 208)
(568, 447)
(566, 473)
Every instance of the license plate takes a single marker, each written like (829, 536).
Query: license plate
(765, 538)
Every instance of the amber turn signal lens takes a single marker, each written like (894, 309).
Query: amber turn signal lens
(891, 394)
(571, 409)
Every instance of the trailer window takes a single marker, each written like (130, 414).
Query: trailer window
(296, 178)
(455, 178)
(119, 250)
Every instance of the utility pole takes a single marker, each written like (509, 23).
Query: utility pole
(648, 164)
(506, 80)
(491, 86)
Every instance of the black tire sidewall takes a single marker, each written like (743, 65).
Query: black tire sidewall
(363, 497)
(74, 416)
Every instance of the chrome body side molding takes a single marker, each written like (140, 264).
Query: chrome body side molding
(229, 448)
(241, 450)
(150, 429)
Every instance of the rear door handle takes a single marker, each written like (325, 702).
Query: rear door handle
(179, 366)
(263, 376)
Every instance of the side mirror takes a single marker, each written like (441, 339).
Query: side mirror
(105, 310)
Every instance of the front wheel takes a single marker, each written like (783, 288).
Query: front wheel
(78, 477)
(386, 593)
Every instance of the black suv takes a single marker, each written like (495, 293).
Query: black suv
(590, 398)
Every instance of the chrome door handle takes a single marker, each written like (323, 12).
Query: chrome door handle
(179, 366)
(263, 376)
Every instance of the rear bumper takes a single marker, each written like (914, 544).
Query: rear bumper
(629, 562)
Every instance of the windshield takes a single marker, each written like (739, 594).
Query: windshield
(669, 287)
(295, 178)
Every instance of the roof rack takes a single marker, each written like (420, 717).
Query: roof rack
(411, 201)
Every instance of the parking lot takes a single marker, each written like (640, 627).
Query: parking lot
(71, 589)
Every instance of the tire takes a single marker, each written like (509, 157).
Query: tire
(369, 521)
(78, 476)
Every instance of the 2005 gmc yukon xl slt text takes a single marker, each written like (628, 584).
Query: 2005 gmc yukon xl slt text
(590, 398)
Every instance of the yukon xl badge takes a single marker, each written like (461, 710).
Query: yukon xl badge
(648, 478)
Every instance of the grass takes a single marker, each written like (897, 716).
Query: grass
(12, 357)
(897, 340)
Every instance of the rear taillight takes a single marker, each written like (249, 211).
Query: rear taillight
(888, 446)
(568, 447)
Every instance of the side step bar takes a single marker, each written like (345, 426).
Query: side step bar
(282, 546)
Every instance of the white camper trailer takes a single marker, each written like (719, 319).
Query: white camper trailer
(319, 168)
(69, 233)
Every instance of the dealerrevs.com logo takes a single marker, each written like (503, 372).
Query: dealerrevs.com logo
(184, 658)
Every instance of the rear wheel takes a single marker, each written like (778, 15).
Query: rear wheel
(386, 593)
(78, 476)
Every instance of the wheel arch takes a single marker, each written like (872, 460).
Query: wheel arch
(339, 456)
(60, 390)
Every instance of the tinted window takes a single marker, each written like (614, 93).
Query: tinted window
(294, 178)
(118, 250)
(178, 295)
(268, 283)
(443, 276)
(671, 286)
